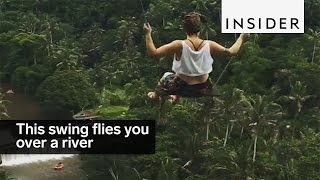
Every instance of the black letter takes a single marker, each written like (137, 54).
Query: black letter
(274, 23)
(236, 22)
(227, 23)
(282, 23)
(259, 23)
(294, 23)
(249, 21)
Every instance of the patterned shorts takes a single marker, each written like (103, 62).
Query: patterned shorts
(170, 84)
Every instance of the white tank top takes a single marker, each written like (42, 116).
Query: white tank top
(193, 63)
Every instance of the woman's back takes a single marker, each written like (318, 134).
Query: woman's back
(194, 62)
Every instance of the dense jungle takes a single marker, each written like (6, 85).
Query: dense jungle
(79, 54)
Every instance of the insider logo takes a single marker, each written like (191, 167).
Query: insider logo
(262, 16)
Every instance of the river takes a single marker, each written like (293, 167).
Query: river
(44, 170)
(23, 107)
(33, 167)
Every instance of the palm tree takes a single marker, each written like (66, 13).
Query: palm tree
(263, 115)
(29, 23)
(298, 95)
(49, 28)
(225, 163)
(120, 170)
(255, 38)
(199, 5)
(208, 30)
(208, 110)
(314, 36)
(126, 30)
(168, 170)
(232, 111)
(91, 41)
(68, 58)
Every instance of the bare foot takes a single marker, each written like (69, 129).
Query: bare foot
(153, 96)
(174, 99)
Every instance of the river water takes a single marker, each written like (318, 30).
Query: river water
(44, 170)
(24, 108)
(38, 168)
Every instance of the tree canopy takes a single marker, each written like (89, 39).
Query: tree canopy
(266, 124)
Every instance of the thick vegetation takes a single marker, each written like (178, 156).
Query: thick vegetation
(266, 124)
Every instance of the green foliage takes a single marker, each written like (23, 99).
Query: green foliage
(69, 90)
(29, 78)
(113, 112)
(6, 176)
(254, 81)
(113, 98)
(79, 53)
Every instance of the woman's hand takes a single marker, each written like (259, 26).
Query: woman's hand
(245, 36)
(147, 28)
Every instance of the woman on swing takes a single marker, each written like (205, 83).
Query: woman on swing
(192, 61)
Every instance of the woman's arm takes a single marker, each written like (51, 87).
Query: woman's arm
(164, 50)
(216, 48)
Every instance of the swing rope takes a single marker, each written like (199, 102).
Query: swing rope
(143, 11)
(223, 71)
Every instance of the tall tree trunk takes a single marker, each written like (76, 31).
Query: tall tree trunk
(242, 128)
(231, 127)
(255, 148)
(313, 52)
(226, 136)
(208, 127)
